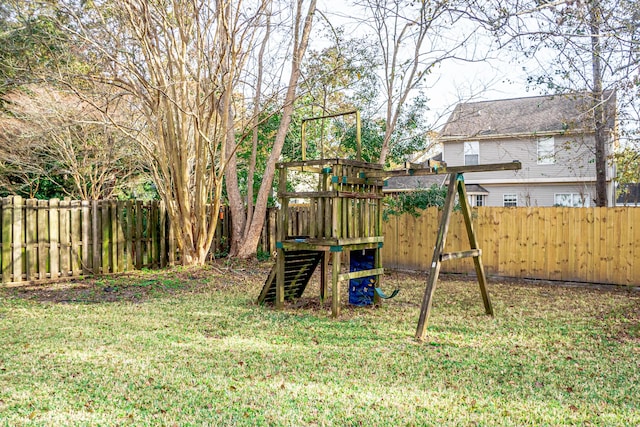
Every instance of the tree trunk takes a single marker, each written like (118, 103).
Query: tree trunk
(598, 105)
(247, 242)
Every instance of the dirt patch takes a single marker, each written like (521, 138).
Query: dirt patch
(138, 286)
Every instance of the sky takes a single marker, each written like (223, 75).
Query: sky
(453, 81)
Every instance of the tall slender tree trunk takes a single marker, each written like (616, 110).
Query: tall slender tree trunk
(595, 17)
(247, 242)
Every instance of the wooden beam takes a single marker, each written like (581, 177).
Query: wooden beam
(441, 239)
(462, 254)
(361, 273)
(473, 242)
(329, 162)
(492, 167)
(329, 195)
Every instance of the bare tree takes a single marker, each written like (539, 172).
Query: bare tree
(247, 225)
(180, 66)
(413, 38)
(49, 134)
(587, 46)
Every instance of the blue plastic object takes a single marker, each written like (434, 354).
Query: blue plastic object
(361, 290)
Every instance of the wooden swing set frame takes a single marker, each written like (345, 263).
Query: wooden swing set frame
(346, 214)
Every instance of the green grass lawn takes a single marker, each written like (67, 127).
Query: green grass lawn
(191, 347)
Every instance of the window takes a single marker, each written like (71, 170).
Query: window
(573, 200)
(509, 200)
(471, 153)
(477, 199)
(546, 151)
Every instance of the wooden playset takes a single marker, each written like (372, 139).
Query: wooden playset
(346, 216)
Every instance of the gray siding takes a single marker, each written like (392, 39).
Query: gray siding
(573, 160)
(539, 194)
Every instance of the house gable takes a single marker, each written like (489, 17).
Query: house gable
(552, 136)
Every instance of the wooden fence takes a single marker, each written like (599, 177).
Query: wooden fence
(596, 245)
(42, 240)
(48, 239)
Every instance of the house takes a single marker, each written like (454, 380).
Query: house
(628, 195)
(553, 138)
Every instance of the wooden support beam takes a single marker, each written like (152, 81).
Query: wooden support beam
(515, 165)
(473, 242)
(361, 273)
(329, 195)
(456, 185)
(462, 254)
(434, 272)
(335, 282)
(296, 165)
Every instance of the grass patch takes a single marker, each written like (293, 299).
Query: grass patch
(190, 347)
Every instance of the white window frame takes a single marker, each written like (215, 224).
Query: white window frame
(510, 198)
(471, 148)
(474, 198)
(546, 151)
(575, 200)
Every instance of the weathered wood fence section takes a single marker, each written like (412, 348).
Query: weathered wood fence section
(596, 245)
(49, 239)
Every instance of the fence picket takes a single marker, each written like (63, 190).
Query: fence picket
(86, 237)
(7, 232)
(18, 238)
(65, 238)
(48, 239)
(76, 235)
(43, 238)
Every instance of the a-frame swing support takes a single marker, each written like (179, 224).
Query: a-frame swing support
(457, 187)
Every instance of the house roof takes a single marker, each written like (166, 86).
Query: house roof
(524, 116)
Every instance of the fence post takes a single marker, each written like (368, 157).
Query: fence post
(43, 238)
(18, 238)
(120, 222)
(76, 239)
(7, 228)
(106, 229)
(31, 239)
(129, 234)
(138, 234)
(162, 218)
(86, 233)
(54, 238)
(65, 238)
(95, 233)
